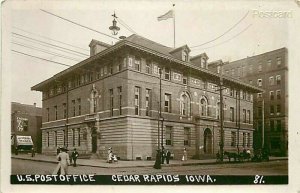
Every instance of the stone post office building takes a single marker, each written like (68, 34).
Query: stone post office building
(112, 100)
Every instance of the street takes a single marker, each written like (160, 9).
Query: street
(279, 167)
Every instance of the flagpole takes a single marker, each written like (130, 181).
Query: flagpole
(174, 23)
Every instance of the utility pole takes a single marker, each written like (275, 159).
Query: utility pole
(263, 124)
(221, 120)
(160, 116)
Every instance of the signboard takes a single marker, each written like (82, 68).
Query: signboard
(24, 140)
(22, 124)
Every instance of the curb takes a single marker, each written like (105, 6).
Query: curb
(165, 165)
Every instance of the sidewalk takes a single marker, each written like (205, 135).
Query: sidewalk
(124, 164)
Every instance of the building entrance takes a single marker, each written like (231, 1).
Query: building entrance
(94, 140)
(207, 141)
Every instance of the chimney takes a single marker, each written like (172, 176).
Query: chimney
(97, 46)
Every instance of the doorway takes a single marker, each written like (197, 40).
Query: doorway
(207, 141)
(94, 140)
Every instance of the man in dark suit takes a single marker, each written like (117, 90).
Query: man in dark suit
(74, 156)
(168, 155)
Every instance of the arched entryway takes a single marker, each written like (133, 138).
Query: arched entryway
(94, 140)
(207, 141)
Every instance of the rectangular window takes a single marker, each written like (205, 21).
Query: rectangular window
(272, 125)
(278, 79)
(78, 137)
(105, 70)
(73, 137)
(169, 135)
(111, 102)
(148, 67)
(167, 106)
(271, 80)
(271, 95)
(244, 139)
(120, 66)
(137, 64)
(177, 76)
(259, 67)
(278, 125)
(278, 61)
(233, 139)
(269, 63)
(244, 116)
(278, 94)
(137, 100)
(111, 69)
(55, 138)
(249, 116)
(248, 139)
(167, 73)
(231, 114)
(130, 62)
(259, 95)
(48, 139)
(125, 62)
(55, 112)
(73, 108)
(148, 101)
(259, 82)
(184, 79)
(231, 92)
(101, 71)
(272, 109)
(187, 133)
(79, 106)
(156, 69)
(120, 100)
(278, 108)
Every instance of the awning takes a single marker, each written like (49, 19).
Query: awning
(24, 140)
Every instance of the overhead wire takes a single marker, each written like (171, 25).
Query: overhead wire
(46, 45)
(222, 33)
(45, 51)
(41, 58)
(126, 26)
(225, 40)
(17, 34)
(49, 38)
(79, 24)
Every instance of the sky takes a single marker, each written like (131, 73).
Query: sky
(196, 22)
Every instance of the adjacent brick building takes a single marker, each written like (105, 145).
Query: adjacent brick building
(26, 120)
(268, 71)
(112, 100)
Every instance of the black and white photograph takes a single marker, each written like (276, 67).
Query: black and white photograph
(150, 95)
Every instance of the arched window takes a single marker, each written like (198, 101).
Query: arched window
(203, 107)
(185, 104)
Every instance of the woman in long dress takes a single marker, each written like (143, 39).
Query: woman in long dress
(64, 162)
(184, 157)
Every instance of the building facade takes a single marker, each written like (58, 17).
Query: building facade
(113, 99)
(26, 120)
(268, 71)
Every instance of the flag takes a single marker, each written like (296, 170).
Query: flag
(169, 14)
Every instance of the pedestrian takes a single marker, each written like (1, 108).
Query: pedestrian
(168, 155)
(74, 157)
(157, 164)
(16, 150)
(109, 153)
(64, 162)
(57, 150)
(163, 155)
(32, 152)
(184, 157)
